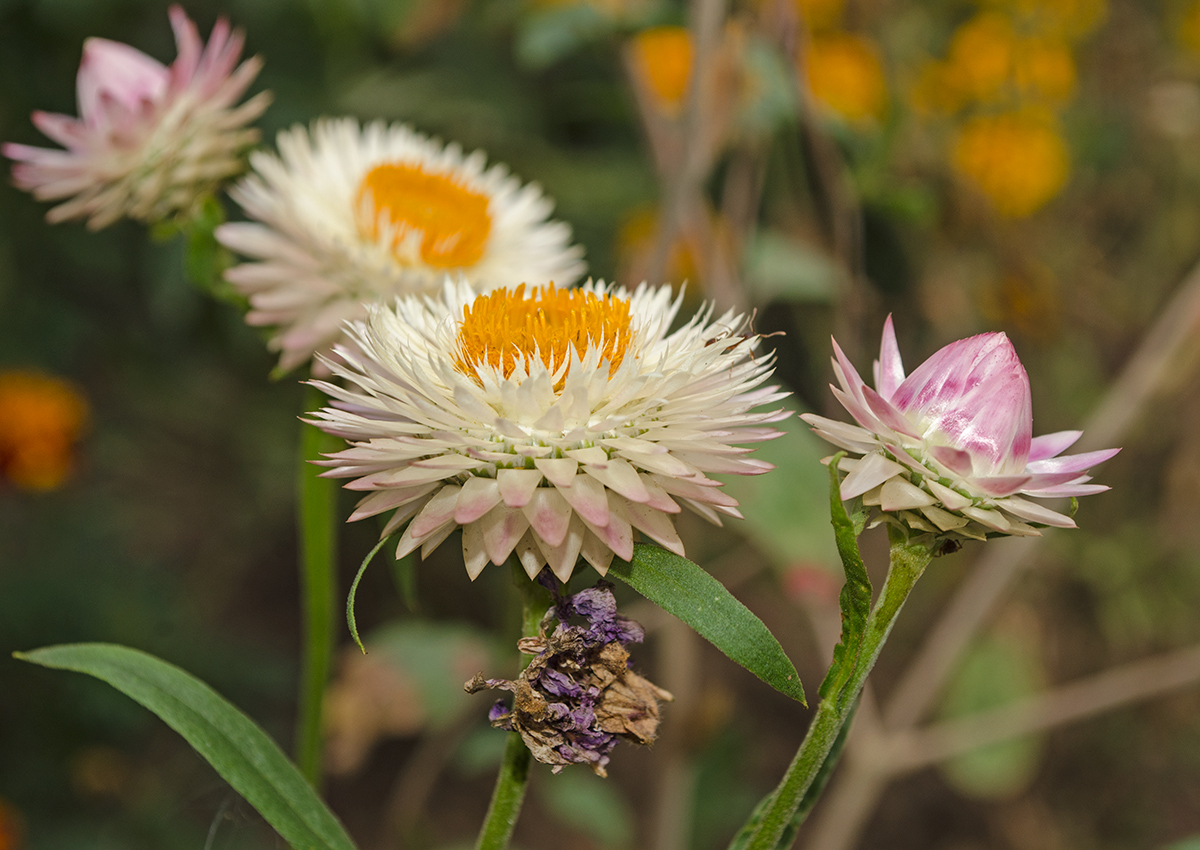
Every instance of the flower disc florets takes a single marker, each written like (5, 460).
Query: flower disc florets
(550, 423)
(349, 215)
(948, 450)
(149, 140)
(578, 697)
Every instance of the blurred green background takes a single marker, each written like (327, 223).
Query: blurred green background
(1030, 166)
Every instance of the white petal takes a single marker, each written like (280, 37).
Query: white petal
(899, 495)
(871, 471)
(517, 485)
(558, 471)
(437, 512)
(944, 520)
(474, 552)
(619, 476)
(992, 519)
(952, 499)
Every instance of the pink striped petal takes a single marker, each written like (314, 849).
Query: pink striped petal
(889, 373)
(975, 393)
(958, 462)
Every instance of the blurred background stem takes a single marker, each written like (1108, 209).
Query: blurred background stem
(316, 520)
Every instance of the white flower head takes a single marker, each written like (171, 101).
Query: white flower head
(349, 215)
(949, 449)
(550, 423)
(149, 139)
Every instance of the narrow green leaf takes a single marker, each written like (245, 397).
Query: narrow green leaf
(350, 619)
(681, 588)
(855, 598)
(231, 742)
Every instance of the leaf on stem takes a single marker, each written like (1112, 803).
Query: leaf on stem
(855, 598)
(680, 587)
(350, 620)
(231, 742)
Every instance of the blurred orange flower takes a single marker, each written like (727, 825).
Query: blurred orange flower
(819, 14)
(663, 57)
(635, 241)
(41, 419)
(845, 74)
(1059, 19)
(988, 61)
(12, 833)
(1018, 160)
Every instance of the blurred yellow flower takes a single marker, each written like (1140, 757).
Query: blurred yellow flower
(819, 14)
(41, 418)
(636, 239)
(989, 62)
(1188, 30)
(1059, 19)
(663, 57)
(845, 74)
(1018, 160)
(980, 58)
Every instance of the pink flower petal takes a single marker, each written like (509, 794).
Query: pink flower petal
(974, 393)
(502, 528)
(124, 73)
(478, 496)
(1071, 463)
(888, 415)
(549, 514)
(958, 462)
(1052, 445)
(889, 368)
(587, 496)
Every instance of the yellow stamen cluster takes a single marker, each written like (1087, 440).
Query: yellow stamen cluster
(453, 221)
(506, 326)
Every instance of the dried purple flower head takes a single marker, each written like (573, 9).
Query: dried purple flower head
(578, 696)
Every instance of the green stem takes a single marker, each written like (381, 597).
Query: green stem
(509, 793)
(779, 816)
(316, 510)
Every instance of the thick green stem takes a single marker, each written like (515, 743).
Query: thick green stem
(509, 793)
(317, 525)
(778, 816)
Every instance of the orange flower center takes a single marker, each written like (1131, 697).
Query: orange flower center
(452, 221)
(506, 326)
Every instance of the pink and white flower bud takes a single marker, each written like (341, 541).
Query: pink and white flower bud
(118, 72)
(150, 139)
(949, 450)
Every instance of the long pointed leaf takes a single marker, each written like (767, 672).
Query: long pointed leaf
(231, 742)
(681, 588)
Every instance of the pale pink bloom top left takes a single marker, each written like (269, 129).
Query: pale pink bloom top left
(150, 139)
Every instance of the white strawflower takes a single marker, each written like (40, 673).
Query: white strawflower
(149, 139)
(350, 216)
(548, 422)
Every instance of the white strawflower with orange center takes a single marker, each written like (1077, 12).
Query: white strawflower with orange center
(347, 216)
(149, 139)
(550, 423)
